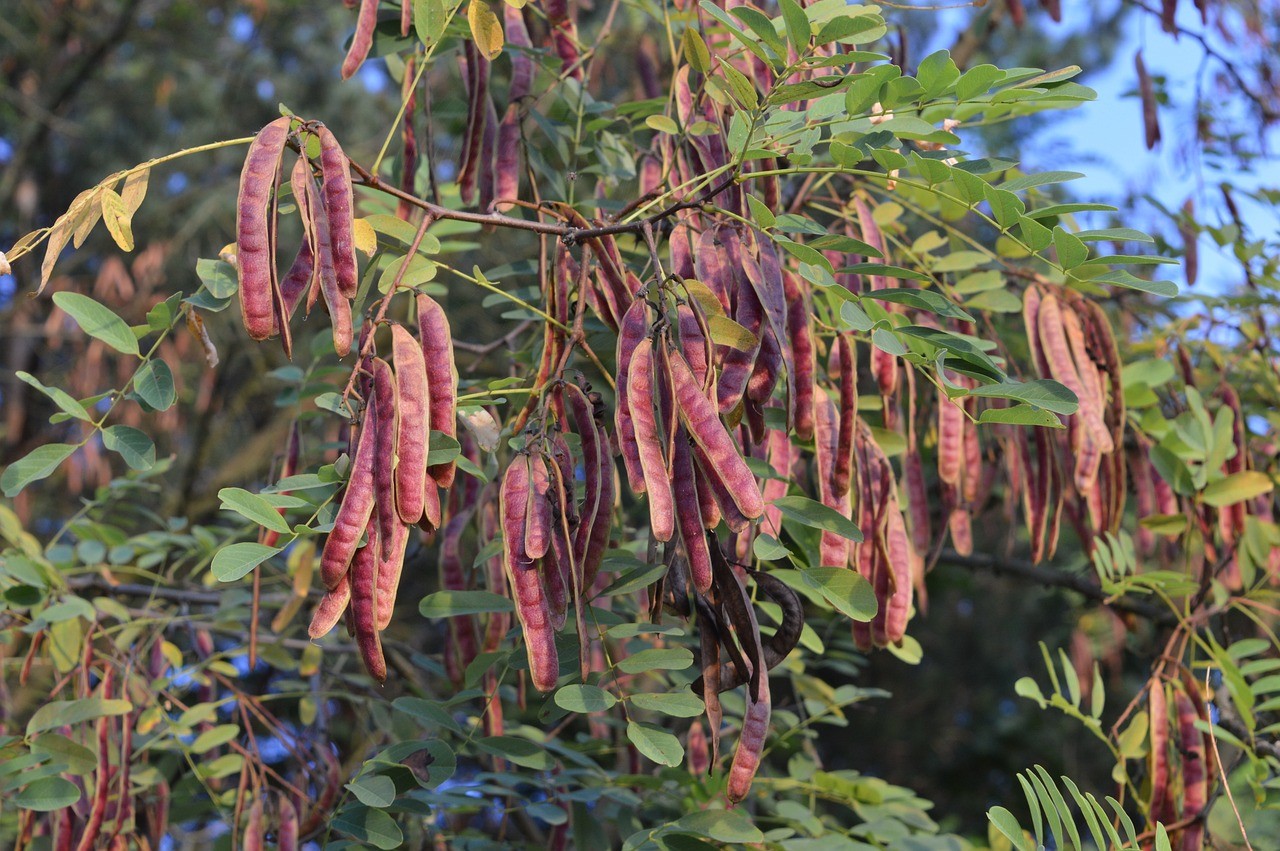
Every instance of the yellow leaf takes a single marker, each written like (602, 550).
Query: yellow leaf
(726, 332)
(83, 215)
(134, 190)
(366, 239)
(58, 236)
(486, 30)
(703, 295)
(116, 218)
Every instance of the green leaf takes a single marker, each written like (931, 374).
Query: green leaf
(584, 698)
(98, 321)
(767, 548)
(522, 752)
(1008, 825)
(886, 271)
(695, 51)
(847, 590)
(1236, 488)
(449, 604)
(37, 464)
(1042, 392)
(133, 446)
(254, 508)
(797, 24)
(657, 659)
(1114, 235)
(234, 561)
(210, 739)
(1020, 415)
(1130, 281)
(76, 757)
(369, 825)
(812, 513)
(640, 576)
(731, 826)
(218, 277)
(61, 398)
(663, 124)
(154, 384)
(923, 299)
(655, 743)
(69, 713)
(429, 20)
(1044, 178)
(47, 794)
(374, 790)
(442, 448)
(680, 704)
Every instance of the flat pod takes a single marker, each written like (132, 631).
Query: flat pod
(526, 584)
(366, 22)
(701, 418)
(649, 443)
(331, 609)
(355, 510)
(386, 422)
(364, 606)
(537, 531)
(339, 209)
(442, 378)
(415, 424)
(255, 260)
(635, 324)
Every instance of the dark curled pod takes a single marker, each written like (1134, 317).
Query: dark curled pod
(364, 605)
(442, 379)
(366, 22)
(522, 574)
(339, 208)
(255, 261)
(847, 369)
(355, 510)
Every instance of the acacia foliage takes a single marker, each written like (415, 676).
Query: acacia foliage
(825, 343)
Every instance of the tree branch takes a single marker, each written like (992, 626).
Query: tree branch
(1051, 578)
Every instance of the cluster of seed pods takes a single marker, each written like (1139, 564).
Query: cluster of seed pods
(1182, 760)
(1085, 474)
(391, 487)
(325, 266)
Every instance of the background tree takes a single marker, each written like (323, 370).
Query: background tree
(920, 252)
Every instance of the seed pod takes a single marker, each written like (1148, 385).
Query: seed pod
(255, 259)
(366, 22)
(537, 530)
(364, 605)
(737, 365)
(98, 804)
(580, 409)
(603, 521)
(701, 419)
(497, 624)
(442, 379)
(780, 457)
(357, 506)
(746, 757)
(526, 585)
(692, 534)
(649, 443)
(1057, 351)
(1150, 112)
(387, 428)
(300, 275)
(1195, 779)
(898, 561)
(325, 281)
(800, 336)
(460, 647)
(694, 344)
(287, 836)
(1161, 804)
(846, 366)
(390, 566)
(698, 750)
(415, 424)
(834, 550)
(339, 210)
(476, 69)
(331, 609)
(635, 324)
(951, 428)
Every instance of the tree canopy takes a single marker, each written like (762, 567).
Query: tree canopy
(708, 424)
